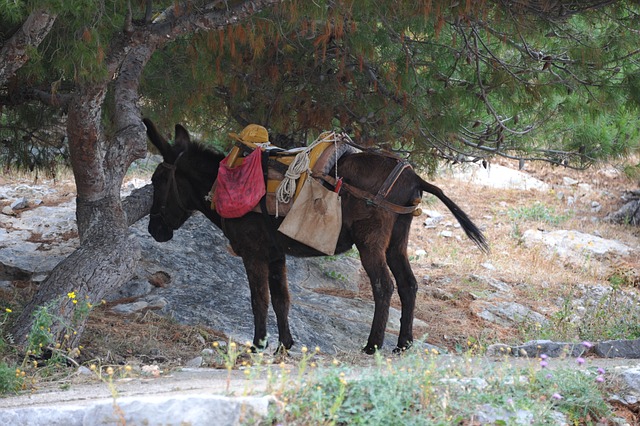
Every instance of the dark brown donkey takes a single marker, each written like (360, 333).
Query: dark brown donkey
(182, 182)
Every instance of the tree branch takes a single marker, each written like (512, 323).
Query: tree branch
(14, 53)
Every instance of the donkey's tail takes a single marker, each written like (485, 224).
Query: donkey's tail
(469, 227)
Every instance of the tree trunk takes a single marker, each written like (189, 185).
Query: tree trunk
(108, 254)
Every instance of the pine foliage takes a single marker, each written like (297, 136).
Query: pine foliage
(463, 81)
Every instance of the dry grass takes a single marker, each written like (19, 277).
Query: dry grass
(145, 337)
(537, 278)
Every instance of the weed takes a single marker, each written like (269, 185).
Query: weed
(422, 389)
(335, 275)
(612, 316)
(11, 378)
(538, 212)
(40, 336)
(229, 355)
(44, 355)
(107, 375)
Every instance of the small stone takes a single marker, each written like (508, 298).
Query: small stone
(208, 353)
(446, 234)
(584, 188)
(569, 181)
(156, 302)
(431, 223)
(19, 204)
(438, 293)
(194, 363)
(488, 266)
(7, 210)
(84, 371)
(434, 214)
(130, 308)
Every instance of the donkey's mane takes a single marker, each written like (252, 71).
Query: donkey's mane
(202, 156)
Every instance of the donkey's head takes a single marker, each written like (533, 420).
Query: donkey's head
(171, 188)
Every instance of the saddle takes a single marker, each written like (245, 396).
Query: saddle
(323, 156)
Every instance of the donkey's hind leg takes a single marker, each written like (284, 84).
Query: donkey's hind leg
(398, 262)
(280, 299)
(371, 246)
(257, 272)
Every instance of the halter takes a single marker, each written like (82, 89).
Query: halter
(172, 186)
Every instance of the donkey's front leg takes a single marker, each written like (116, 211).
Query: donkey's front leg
(280, 299)
(382, 287)
(257, 272)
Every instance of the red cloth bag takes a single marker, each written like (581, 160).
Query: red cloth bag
(239, 189)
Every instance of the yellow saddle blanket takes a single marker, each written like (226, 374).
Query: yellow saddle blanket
(323, 155)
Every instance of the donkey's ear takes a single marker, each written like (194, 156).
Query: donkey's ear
(157, 139)
(182, 139)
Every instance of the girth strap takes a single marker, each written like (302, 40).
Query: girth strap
(276, 252)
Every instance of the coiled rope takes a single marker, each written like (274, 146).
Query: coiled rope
(298, 166)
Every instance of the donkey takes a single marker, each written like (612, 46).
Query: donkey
(183, 181)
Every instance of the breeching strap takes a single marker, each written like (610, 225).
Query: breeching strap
(380, 198)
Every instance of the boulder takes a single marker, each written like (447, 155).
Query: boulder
(497, 176)
(574, 245)
(505, 313)
(629, 213)
(207, 285)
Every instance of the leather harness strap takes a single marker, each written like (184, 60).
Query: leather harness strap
(390, 181)
(173, 186)
(378, 200)
(367, 196)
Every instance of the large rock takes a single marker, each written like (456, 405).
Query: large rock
(574, 245)
(506, 313)
(629, 213)
(150, 410)
(37, 241)
(207, 285)
(497, 176)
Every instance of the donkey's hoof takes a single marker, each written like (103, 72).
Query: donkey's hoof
(370, 349)
(287, 343)
(282, 350)
(399, 350)
(259, 348)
